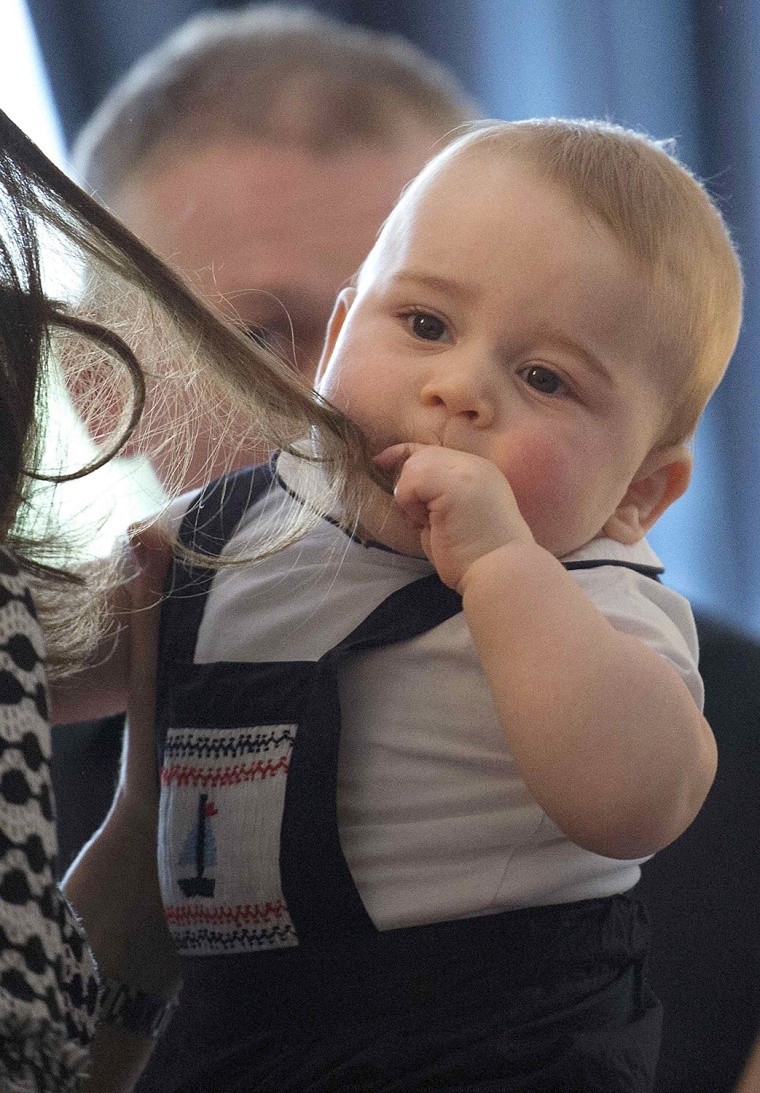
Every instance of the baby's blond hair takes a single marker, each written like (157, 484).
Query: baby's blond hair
(666, 221)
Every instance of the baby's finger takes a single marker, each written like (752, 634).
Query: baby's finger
(394, 457)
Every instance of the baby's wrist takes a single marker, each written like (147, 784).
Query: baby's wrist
(510, 561)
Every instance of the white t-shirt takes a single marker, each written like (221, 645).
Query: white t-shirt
(435, 820)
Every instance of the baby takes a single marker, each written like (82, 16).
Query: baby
(531, 343)
(410, 763)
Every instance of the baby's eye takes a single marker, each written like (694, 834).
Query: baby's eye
(426, 326)
(544, 380)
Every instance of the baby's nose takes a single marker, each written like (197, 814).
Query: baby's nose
(463, 390)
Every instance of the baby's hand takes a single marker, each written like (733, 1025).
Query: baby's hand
(462, 503)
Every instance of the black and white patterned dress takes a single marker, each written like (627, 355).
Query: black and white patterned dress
(48, 986)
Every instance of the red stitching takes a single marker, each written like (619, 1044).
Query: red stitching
(223, 776)
(242, 914)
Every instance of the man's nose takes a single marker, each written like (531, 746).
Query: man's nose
(463, 387)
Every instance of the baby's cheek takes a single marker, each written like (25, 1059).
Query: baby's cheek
(549, 490)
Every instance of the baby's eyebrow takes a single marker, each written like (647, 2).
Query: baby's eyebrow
(448, 285)
(577, 349)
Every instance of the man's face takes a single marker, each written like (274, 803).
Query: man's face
(270, 233)
(497, 318)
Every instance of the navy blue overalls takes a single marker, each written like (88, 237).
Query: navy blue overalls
(549, 999)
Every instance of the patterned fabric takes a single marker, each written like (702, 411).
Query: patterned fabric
(48, 986)
(225, 785)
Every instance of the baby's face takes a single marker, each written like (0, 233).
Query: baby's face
(496, 317)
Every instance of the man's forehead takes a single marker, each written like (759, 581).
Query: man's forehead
(193, 203)
(289, 166)
(269, 190)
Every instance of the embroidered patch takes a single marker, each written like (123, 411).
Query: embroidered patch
(222, 800)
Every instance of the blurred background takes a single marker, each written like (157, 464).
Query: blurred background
(685, 69)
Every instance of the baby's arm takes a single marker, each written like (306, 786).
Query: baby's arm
(113, 885)
(606, 734)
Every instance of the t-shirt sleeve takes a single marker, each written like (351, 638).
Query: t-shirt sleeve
(638, 605)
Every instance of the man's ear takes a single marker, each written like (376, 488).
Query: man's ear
(340, 310)
(659, 481)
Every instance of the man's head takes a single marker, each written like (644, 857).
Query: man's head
(559, 298)
(259, 151)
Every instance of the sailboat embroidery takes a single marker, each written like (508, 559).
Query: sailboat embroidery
(199, 851)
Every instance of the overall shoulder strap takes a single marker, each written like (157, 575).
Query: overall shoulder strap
(653, 571)
(208, 525)
(319, 890)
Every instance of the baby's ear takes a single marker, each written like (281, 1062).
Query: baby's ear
(659, 481)
(341, 308)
